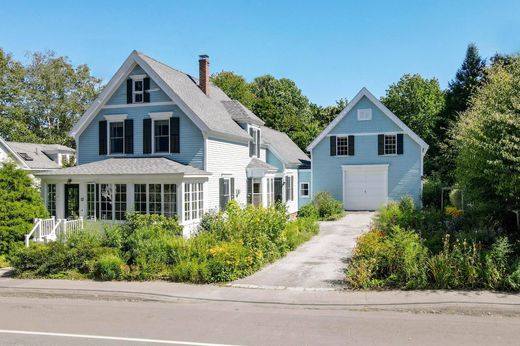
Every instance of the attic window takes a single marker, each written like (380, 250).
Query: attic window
(138, 90)
(26, 157)
(364, 114)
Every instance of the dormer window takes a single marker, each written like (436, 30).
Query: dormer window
(254, 144)
(138, 90)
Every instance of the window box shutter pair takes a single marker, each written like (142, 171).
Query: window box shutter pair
(351, 144)
(175, 138)
(128, 137)
(130, 90)
(381, 144)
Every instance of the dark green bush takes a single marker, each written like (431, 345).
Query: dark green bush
(309, 211)
(328, 207)
(432, 192)
(109, 267)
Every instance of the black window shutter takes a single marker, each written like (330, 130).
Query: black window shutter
(380, 144)
(146, 89)
(147, 136)
(221, 194)
(399, 143)
(103, 137)
(351, 145)
(129, 90)
(129, 136)
(232, 188)
(251, 144)
(332, 145)
(258, 143)
(287, 188)
(97, 200)
(175, 138)
(249, 191)
(292, 188)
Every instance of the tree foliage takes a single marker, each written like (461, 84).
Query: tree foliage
(21, 203)
(487, 140)
(41, 101)
(235, 86)
(418, 102)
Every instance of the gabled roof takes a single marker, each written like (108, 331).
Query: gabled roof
(364, 92)
(128, 166)
(241, 114)
(36, 156)
(283, 147)
(207, 112)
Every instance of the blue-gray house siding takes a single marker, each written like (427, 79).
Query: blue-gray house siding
(304, 176)
(404, 171)
(191, 138)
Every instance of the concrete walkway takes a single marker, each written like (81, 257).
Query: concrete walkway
(317, 264)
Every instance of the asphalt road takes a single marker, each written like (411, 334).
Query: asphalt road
(318, 263)
(31, 320)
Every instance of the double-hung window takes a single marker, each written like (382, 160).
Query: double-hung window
(154, 199)
(138, 90)
(254, 144)
(270, 191)
(161, 135)
(91, 201)
(304, 190)
(289, 188)
(193, 201)
(117, 136)
(342, 146)
(390, 145)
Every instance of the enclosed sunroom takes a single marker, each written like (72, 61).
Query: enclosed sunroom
(106, 190)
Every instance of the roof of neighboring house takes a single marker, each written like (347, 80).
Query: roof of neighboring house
(283, 147)
(129, 166)
(37, 156)
(259, 164)
(240, 113)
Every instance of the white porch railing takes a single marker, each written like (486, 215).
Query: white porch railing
(49, 229)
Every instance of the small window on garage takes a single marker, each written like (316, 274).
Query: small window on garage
(364, 114)
(304, 189)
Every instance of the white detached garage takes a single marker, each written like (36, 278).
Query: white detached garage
(365, 187)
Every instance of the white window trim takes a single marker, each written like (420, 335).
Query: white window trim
(190, 204)
(258, 152)
(337, 146)
(308, 189)
(364, 114)
(138, 76)
(160, 115)
(108, 137)
(384, 143)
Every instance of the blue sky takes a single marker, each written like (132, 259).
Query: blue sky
(329, 48)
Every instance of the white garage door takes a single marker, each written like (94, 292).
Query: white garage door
(365, 187)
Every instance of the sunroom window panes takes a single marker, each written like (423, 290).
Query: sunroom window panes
(120, 203)
(116, 137)
(162, 136)
(91, 201)
(170, 200)
(193, 201)
(140, 198)
(105, 201)
(51, 199)
(154, 199)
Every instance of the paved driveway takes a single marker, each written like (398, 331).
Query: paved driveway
(320, 262)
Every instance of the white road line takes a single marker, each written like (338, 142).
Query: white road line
(104, 337)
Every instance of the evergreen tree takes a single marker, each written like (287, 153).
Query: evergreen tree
(21, 204)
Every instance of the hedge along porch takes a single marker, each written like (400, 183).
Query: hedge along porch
(105, 190)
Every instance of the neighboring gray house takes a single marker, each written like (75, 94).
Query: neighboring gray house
(367, 156)
(158, 140)
(34, 157)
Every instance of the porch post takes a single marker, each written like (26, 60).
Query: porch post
(60, 200)
(83, 199)
(130, 193)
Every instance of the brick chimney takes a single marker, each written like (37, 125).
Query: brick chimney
(204, 73)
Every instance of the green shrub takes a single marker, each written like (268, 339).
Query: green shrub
(298, 232)
(328, 207)
(513, 279)
(496, 263)
(20, 204)
(309, 211)
(4, 262)
(191, 270)
(109, 267)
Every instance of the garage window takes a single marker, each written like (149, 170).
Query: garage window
(390, 144)
(341, 146)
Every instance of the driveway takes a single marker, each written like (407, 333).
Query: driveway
(320, 262)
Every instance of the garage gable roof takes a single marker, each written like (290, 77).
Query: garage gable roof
(364, 92)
